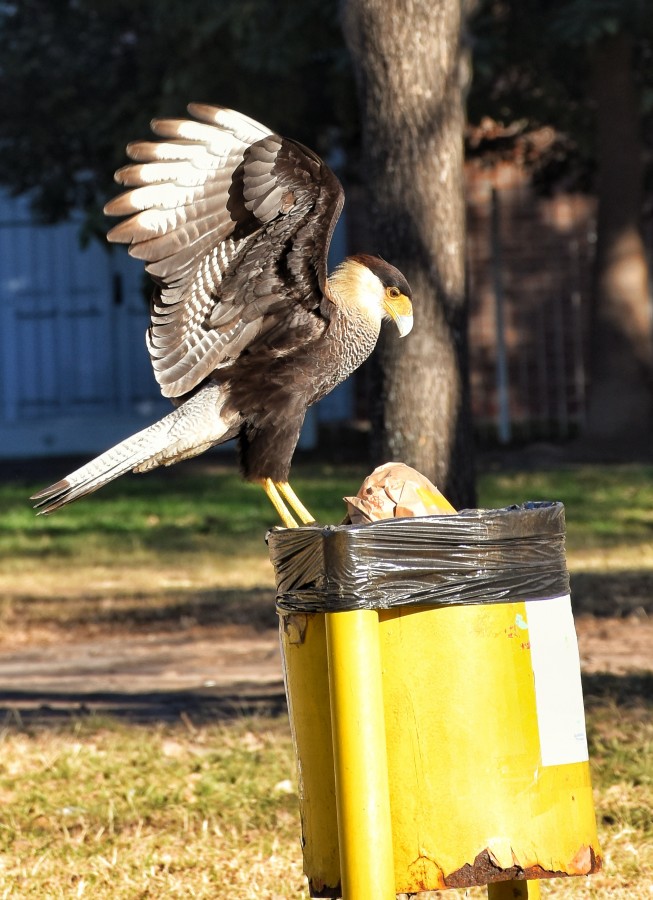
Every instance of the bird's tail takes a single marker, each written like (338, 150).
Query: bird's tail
(196, 425)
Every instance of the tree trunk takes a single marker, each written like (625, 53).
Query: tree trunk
(621, 393)
(408, 64)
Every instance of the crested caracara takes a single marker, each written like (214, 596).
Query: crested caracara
(247, 331)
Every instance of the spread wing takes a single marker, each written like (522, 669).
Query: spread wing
(234, 223)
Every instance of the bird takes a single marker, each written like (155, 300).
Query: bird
(247, 329)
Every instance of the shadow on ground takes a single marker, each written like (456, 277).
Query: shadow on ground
(612, 593)
(632, 689)
(144, 611)
(617, 595)
(21, 709)
(217, 618)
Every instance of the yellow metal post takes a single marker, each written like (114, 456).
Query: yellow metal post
(514, 890)
(360, 756)
(303, 640)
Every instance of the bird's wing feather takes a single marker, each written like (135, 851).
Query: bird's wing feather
(233, 222)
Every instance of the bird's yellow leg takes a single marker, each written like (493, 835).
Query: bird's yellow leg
(276, 500)
(295, 503)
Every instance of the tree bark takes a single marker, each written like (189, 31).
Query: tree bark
(409, 68)
(621, 394)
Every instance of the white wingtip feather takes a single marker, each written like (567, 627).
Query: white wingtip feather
(240, 125)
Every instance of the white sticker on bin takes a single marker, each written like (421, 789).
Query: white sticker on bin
(558, 690)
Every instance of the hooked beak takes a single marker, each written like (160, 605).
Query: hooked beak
(401, 311)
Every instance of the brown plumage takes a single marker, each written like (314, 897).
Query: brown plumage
(234, 224)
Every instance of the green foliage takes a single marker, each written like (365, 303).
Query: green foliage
(517, 71)
(531, 64)
(581, 23)
(80, 78)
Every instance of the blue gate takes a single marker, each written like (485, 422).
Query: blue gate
(74, 370)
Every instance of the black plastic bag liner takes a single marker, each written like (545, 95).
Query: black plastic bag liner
(475, 556)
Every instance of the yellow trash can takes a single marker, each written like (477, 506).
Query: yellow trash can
(481, 714)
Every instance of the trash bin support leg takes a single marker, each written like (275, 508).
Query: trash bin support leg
(360, 756)
(514, 890)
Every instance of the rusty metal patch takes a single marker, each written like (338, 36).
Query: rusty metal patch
(485, 871)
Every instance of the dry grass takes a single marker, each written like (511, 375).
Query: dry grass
(106, 811)
(50, 600)
(109, 811)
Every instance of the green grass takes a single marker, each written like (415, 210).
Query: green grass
(186, 510)
(606, 506)
(194, 508)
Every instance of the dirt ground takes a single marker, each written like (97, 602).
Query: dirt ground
(220, 671)
(616, 646)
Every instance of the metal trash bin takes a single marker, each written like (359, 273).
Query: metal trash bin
(487, 765)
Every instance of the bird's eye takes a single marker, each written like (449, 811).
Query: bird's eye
(393, 292)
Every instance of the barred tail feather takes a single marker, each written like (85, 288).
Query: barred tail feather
(191, 429)
(126, 456)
